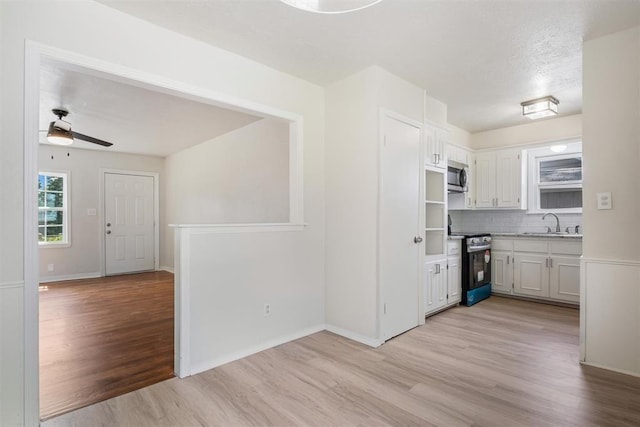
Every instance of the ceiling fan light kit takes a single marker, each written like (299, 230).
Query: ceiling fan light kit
(540, 107)
(60, 132)
(59, 136)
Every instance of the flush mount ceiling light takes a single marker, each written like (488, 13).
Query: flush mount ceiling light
(540, 107)
(330, 6)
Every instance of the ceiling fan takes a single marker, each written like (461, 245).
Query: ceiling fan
(60, 132)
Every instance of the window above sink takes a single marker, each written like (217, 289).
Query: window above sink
(555, 179)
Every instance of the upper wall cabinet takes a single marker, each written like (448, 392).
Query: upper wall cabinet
(499, 179)
(435, 142)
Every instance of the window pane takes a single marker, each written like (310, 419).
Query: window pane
(41, 182)
(54, 183)
(54, 200)
(55, 217)
(54, 234)
(560, 198)
(41, 234)
(559, 170)
(41, 199)
(41, 218)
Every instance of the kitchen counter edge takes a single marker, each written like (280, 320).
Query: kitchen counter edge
(539, 235)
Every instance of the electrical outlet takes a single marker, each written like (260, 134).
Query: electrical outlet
(267, 310)
(50, 267)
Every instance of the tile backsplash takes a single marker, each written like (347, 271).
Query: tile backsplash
(510, 221)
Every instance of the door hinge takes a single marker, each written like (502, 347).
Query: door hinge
(384, 308)
(518, 156)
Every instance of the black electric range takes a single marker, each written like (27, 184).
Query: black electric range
(476, 266)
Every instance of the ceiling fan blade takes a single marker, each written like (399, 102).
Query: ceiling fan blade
(91, 139)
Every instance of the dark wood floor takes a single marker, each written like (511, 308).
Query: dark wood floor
(502, 362)
(101, 338)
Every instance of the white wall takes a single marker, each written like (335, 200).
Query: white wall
(113, 37)
(459, 137)
(534, 132)
(240, 177)
(611, 147)
(352, 144)
(82, 258)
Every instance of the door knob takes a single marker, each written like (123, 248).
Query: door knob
(108, 224)
(417, 239)
(108, 231)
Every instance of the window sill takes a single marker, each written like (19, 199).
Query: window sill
(53, 245)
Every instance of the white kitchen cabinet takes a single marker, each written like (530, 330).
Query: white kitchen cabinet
(435, 290)
(548, 269)
(443, 285)
(531, 274)
(564, 283)
(436, 139)
(502, 271)
(498, 179)
(454, 275)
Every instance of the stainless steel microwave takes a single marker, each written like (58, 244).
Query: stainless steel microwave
(457, 177)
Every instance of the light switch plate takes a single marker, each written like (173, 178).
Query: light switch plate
(604, 200)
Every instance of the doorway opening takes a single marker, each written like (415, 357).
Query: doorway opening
(234, 111)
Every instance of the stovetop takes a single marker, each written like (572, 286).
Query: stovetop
(470, 234)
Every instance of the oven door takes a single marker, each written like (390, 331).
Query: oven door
(479, 268)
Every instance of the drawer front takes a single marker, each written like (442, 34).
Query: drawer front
(526, 245)
(502, 245)
(454, 247)
(566, 248)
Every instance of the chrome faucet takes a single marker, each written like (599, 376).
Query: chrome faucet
(557, 221)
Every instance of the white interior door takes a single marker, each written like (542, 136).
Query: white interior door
(129, 223)
(399, 226)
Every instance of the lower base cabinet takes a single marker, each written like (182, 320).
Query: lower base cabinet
(547, 269)
(443, 276)
(436, 286)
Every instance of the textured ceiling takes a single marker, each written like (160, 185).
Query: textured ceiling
(481, 57)
(134, 119)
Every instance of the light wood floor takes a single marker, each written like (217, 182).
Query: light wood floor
(104, 337)
(502, 362)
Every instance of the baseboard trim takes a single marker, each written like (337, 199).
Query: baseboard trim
(609, 368)
(354, 337)
(167, 268)
(48, 279)
(205, 366)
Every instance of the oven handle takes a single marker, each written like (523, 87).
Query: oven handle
(479, 248)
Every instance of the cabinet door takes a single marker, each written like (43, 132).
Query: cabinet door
(502, 272)
(435, 142)
(564, 281)
(508, 178)
(435, 286)
(485, 180)
(454, 285)
(531, 274)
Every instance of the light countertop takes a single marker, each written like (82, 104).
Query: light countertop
(539, 235)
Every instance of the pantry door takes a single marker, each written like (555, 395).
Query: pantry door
(399, 225)
(129, 223)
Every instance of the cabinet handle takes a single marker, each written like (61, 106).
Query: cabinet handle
(551, 262)
(417, 239)
(546, 262)
(507, 259)
(437, 268)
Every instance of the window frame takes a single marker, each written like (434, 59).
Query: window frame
(65, 209)
(541, 154)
